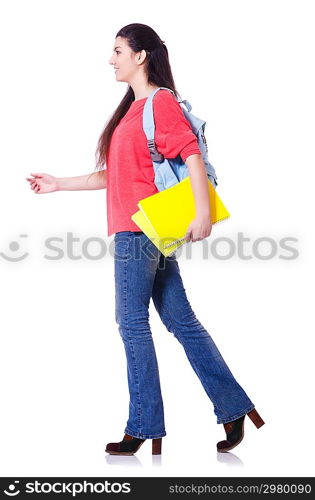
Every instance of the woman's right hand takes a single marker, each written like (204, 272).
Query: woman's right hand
(43, 183)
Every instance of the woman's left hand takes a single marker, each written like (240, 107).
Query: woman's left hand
(199, 229)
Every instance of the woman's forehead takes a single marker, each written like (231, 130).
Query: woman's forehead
(120, 43)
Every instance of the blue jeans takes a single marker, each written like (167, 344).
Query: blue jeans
(142, 272)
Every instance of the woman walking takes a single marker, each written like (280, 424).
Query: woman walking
(140, 58)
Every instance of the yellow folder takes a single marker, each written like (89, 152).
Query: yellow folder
(165, 216)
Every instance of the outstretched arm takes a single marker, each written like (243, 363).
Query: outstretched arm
(44, 183)
(89, 181)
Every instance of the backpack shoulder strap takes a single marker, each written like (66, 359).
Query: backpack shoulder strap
(149, 124)
(187, 104)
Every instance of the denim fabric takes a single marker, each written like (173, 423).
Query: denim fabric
(142, 272)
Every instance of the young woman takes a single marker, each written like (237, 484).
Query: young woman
(140, 58)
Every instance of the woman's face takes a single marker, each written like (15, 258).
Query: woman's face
(125, 61)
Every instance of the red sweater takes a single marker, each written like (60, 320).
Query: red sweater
(130, 172)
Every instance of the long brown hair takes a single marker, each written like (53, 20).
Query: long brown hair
(138, 37)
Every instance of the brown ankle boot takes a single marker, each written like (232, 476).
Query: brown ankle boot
(235, 430)
(129, 445)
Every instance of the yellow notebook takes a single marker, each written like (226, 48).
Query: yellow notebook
(165, 216)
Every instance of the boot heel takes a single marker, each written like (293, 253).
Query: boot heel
(157, 446)
(255, 418)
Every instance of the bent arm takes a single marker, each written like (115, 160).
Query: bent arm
(88, 181)
(199, 181)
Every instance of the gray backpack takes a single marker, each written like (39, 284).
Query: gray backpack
(170, 171)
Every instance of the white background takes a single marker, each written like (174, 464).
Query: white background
(247, 69)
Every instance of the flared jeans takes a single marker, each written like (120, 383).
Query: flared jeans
(142, 272)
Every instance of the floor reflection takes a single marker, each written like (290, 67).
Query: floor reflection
(125, 460)
(229, 459)
(131, 460)
(157, 460)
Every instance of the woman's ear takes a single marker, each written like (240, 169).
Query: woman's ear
(141, 56)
